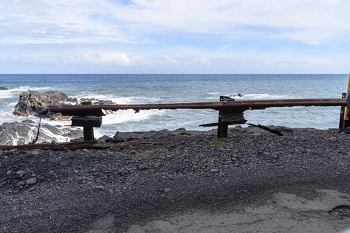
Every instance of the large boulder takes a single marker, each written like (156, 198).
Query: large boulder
(32, 102)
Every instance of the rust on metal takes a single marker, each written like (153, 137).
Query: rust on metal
(234, 106)
(68, 145)
(231, 111)
(275, 131)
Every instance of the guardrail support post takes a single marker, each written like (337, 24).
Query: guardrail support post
(88, 133)
(88, 123)
(223, 126)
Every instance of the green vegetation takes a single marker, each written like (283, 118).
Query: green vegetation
(147, 153)
(216, 142)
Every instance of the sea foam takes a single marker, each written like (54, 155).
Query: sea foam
(122, 116)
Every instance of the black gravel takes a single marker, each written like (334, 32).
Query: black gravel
(150, 176)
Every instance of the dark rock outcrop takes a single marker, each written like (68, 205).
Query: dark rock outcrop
(32, 102)
(4, 89)
(19, 133)
(127, 136)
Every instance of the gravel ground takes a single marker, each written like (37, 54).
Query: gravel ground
(156, 176)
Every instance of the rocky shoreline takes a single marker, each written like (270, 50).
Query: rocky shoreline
(143, 181)
(29, 104)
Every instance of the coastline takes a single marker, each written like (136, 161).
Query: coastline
(151, 182)
(138, 89)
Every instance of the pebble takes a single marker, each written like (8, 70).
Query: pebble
(20, 174)
(31, 181)
(21, 183)
(143, 167)
(98, 188)
(122, 172)
(222, 149)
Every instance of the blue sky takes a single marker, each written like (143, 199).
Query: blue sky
(174, 36)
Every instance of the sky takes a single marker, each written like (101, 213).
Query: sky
(174, 36)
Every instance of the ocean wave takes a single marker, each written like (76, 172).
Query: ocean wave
(265, 96)
(118, 100)
(12, 104)
(123, 116)
(16, 133)
(26, 88)
(7, 116)
(6, 95)
(14, 93)
(58, 137)
(54, 123)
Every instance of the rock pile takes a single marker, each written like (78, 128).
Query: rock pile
(25, 179)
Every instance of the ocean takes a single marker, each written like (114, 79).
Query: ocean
(135, 89)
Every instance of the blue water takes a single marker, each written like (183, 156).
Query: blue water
(128, 89)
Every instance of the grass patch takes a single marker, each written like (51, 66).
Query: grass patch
(146, 153)
(216, 143)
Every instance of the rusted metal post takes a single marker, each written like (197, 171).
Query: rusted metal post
(88, 133)
(223, 126)
(88, 123)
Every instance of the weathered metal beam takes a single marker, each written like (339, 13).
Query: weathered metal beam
(68, 145)
(233, 106)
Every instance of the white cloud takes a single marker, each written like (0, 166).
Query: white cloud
(99, 21)
(54, 22)
(225, 62)
(105, 59)
(297, 19)
(177, 34)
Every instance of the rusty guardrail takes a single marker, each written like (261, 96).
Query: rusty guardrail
(230, 110)
(239, 105)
